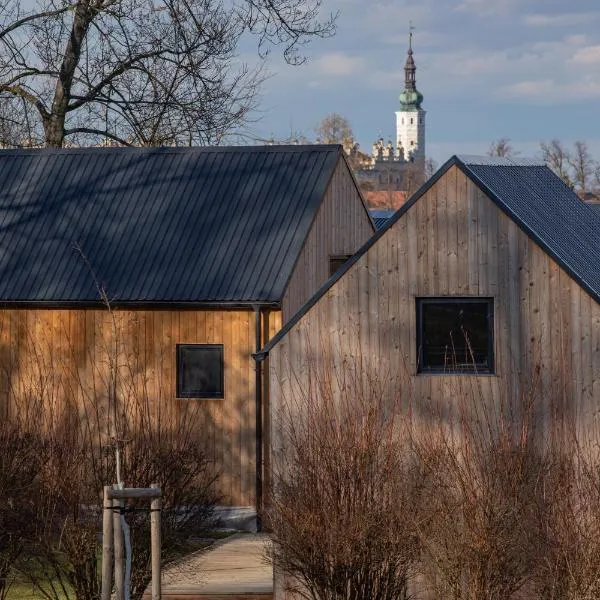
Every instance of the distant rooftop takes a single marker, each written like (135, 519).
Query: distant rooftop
(381, 216)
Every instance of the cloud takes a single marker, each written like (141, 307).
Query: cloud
(391, 80)
(548, 91)
(544, 71)
(560, 20)
(533, 88)
(587, 56)
(338, 64)
(486, 8)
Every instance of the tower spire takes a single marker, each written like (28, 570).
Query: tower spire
(410, 69)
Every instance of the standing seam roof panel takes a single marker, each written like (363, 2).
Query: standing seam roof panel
(252, 211)
(320, 179)
(182, 225)
(188, 243)
(170, 240)
(303, 171)
(217, 260)
(277, 221)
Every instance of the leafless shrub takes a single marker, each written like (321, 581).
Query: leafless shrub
(483, 524)
(70, 415)
(345, 489)
(19, 478)
(570, 565)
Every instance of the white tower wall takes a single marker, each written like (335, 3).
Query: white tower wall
(410, 132)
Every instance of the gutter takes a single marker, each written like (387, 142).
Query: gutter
(137, 304)
(259, 416)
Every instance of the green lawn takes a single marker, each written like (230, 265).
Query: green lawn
(22, 591)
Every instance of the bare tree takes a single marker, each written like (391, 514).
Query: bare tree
(558, 158)
(431, 167)
(141, 71)
(17, 124)
(582, 165)
(596, 179)
(501, 148)
(334, 129)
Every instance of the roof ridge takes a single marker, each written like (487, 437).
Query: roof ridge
(500, 161)
(172, 149)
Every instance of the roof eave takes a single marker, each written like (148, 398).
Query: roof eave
(140, 305)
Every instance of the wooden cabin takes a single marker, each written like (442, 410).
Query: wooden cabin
(483, 288)
(176, 265)
(499, 248)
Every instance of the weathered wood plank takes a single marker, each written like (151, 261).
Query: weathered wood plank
(340, 227)
(546, 326)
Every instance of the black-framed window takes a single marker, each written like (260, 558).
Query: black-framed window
(335, 262)
(455, 335)
(200, 371)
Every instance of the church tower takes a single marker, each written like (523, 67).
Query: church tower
(410, 119)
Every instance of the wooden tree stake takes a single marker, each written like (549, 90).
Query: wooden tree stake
(155, 508)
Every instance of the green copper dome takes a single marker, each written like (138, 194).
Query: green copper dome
(410, 100)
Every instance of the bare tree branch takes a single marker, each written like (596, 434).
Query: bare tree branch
(144, 71)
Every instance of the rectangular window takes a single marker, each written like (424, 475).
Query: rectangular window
(335, 262)
(200, 371)
(455, 335)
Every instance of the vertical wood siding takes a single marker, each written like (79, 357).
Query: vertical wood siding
(341, 226)
(64, 354)
(455, 242)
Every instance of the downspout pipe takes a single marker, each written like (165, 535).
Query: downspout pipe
(259, 416)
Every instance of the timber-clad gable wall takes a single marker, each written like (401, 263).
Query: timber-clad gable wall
(65, 352)
(455, 241)
(341, 227)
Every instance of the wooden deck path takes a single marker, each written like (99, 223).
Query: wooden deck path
(234, 569)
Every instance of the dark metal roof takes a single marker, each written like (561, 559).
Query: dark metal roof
(380, 216)
(157, 225)
(547, 210)
(594, 205)
(550, 212)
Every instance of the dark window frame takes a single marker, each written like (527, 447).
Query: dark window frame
(449, 370)
(180, 392)
(339, 258)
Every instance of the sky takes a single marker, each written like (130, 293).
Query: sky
(527, 70)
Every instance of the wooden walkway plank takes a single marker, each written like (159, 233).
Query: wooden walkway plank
(235, 568)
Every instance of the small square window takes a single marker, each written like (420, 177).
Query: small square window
(335, 262)
(455, 335)
(200, 371)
